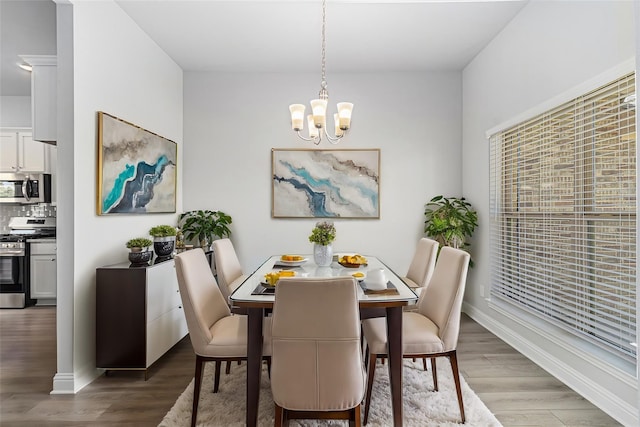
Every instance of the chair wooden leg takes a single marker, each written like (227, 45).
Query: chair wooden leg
(216, 381)
(277, 419)
(269, 366)
(424, 363)
(434, 374)
(196, 389)
(456, 378)
(355, 417)
(370, 374)
(228, 368)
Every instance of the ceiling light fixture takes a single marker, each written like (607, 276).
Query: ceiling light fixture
(25, 67)
(317, 121)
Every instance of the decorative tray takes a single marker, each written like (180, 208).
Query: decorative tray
(391, 289)
(348, 265)
(264, 289)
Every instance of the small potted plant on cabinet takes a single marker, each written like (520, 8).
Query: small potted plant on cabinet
(139, 253)
(164, 239)
(204, 225)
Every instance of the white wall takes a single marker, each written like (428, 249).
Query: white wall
(546, 50)
(15, 111)
(119, 70)
(232, 121)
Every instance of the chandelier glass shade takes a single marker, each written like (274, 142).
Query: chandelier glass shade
(317, 120)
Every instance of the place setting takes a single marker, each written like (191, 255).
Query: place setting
(290, 261)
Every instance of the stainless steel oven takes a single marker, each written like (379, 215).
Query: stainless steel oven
(14, 273)
(15, 285)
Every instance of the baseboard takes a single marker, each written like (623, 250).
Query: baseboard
(63, 384)
(69, 383)
(608, 402)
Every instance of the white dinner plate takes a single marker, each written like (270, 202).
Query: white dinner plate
(292, 263)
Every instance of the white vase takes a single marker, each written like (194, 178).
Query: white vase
(322, 255)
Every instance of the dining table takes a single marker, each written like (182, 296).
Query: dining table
(257, 300)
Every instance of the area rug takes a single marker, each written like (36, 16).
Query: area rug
(422, 406)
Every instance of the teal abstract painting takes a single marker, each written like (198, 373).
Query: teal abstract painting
(136, 169)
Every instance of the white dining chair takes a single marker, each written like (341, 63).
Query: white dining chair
(431, 331)
(317, 369)
(228, 267)
(216, 335)
(422, 265)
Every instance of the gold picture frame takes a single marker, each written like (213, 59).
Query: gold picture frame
(137, 169)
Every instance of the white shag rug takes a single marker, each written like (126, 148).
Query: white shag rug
(422, 406)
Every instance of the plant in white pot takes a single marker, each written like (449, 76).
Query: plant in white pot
(322, 235)
(164, 239)
(139, 253)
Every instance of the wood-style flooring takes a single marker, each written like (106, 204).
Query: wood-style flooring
(515, 389)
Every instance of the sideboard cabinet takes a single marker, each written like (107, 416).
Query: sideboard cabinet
(139, 315)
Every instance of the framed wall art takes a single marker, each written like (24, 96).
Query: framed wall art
(325, 183)
(136, 169)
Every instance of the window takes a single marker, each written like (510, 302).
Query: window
(563, 216)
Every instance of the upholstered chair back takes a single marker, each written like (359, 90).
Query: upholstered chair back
(442, 299)
(202, 300)
(228, 266)
(423, 262)
(316, 354)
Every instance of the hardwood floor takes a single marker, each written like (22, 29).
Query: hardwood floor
(516, 390)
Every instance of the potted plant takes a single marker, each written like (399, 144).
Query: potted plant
(204, 225)
(322, 235)
(450, 221)
(164, 237)
(139, 253)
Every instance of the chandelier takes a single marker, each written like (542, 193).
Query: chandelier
(317, 121)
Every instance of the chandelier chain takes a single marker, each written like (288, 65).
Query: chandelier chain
(323, 83)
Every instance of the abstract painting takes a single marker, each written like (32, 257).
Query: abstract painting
(136, 169)
(325, 183)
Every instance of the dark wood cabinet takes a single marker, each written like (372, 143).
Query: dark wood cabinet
(139, 315)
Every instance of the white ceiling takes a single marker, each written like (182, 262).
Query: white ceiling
(285, 35)
(26, 28)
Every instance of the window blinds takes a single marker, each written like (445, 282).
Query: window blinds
(563, 216)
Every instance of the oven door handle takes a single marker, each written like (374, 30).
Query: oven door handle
(19, 252)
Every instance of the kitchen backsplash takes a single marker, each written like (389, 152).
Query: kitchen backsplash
(8, 211)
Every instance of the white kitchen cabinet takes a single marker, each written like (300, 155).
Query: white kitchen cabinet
(20, 153)
(44, 87)
(139, 315)
(43, 272)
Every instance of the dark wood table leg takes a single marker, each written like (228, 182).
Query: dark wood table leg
(254, 363)
(394, 340)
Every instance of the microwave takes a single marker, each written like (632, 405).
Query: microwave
(25, 188)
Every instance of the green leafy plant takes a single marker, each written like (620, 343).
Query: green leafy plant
(323, 233)
(204, 225)
(450, 221)
(139, 242)
(162, 231)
